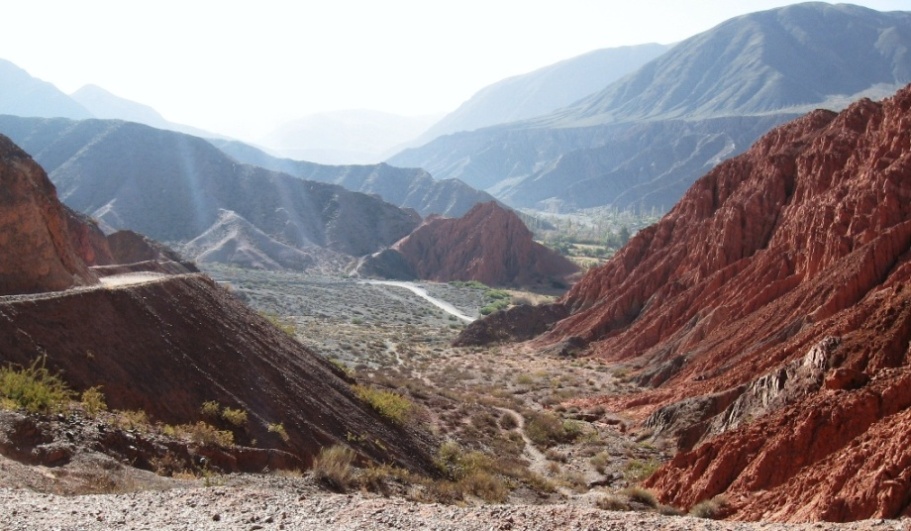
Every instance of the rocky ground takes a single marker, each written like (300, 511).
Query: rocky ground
(276, 502)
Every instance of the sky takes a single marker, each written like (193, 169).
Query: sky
(243, 67)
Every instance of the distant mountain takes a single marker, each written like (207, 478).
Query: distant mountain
(544, 90)
(403, 187)
(345, 137)
(489, 244)
(645, 138)
(102, 104)
(175, 188)
(23, 95)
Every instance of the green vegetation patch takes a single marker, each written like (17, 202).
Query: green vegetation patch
(33, 388)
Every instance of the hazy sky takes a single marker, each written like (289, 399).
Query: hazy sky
(240, 67)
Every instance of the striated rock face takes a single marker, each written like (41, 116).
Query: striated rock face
(771, 312)
(37, 252)
(168, 346)
(139, 253)
(87, 238)
(489, 244)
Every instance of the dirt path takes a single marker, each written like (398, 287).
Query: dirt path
(129, 279)
(422, 293)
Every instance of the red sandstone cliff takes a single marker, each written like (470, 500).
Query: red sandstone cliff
(770, 310)
(489, 244)
(37, 251)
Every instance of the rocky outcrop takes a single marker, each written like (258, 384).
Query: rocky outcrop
(520, 323)
(770, 311)
(38, 254)
(489, 244)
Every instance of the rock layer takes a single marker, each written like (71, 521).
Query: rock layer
(489, 244)
(771, 309)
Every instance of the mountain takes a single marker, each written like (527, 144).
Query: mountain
(705, 100)
(167, 345)
(23, 95)
(345, 137)
(174, 188)
(35, 225)
(544, 90)
(489, 244)
(404, 187)
(107, 106)
(770, 314)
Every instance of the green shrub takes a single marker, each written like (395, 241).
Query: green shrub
(334, 467)
(34, 388)
(93, 401)
(279, 429)
(210, 409)
(546, 429)
(234, 417)
(638, 470)
(393, 406)
(206, 434)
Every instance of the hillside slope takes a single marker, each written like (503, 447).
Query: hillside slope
(769, 310)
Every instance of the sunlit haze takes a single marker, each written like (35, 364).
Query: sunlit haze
(240, 68)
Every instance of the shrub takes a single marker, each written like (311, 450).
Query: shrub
(393, 406)
(279, 429)
(334, 468)
(235, 417)
(206, 434)
(638, 470)
(611, 502)
(508, 421)
(599, 461)
(210, 409)
(34, 388)
(640, 495)
(712, 509)
(132, 419)
(93, 401)
(546, 429)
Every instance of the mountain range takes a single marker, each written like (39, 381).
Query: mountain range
(705, 100)
(178, 188)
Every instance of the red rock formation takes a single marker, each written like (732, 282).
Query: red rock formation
(772, 308)
(89, 242)
(489, 244)
(38, 254)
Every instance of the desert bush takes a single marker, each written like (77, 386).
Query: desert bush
(132, 419)
(508, 421)
(712, 509)
(279, 429)
(235, 417)
(334, 468)
(640, 495)
(206, 434)
(93, 401)
(393, 406)
(33, 388)
(210, 409)
(599, 461)
(638, 470)
(546, 429)
(612, 502)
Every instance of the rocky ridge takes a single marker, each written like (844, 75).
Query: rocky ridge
(769, 310)
(489, 244)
